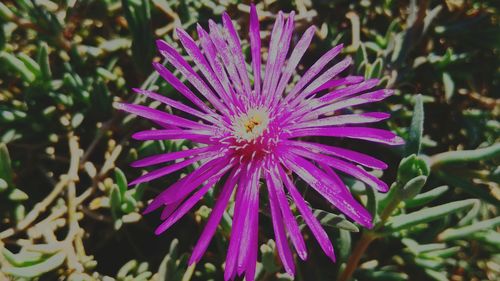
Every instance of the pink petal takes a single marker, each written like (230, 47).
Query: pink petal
(235, 48)
(255, 45)
(331, 190)
(165, 170)
(363, 118)
(362, 133)
(345, 167)
(276, 185)
(350, 155)
(279, 233)
(176, 104)
(160, 116)
(179, 86)
(178, 62)
(323, 78)
(314, 70)
(198, 135)
(215, 217)
(294, 59)
(165, 157)
(200, 61)
(362, 99)
(310, 219)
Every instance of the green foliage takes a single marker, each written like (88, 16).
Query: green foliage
(66, 209)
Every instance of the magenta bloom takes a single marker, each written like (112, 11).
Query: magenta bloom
(248, 134)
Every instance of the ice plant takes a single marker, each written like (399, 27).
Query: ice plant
(248, 134)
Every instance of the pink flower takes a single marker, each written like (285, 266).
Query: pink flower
(248, 134)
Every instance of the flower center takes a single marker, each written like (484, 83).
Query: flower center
(251, 125)
(254, 135)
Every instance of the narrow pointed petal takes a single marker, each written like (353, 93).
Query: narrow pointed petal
(347, 154)
(165, 157)
(272, 55)
(253, 244)
(199, 136)
(169, 209)
(345, 167)
(310, 219)
(284, 251)
(179, 86)
(283, 46)
(160, 116)
(217, 66)
(247, 235)
(227, 58)
(294, 59)
(235, 49)
(349, 90)
(165, 170)
(200, 61)
(176, 104)
(187, 184)
(241, 206)
(362, 133)
(254, 34)
(274, 181)
(185, 207)
(362, 118)
(336, 82)
(329, 189)
(178, 62)
(323, 78)
(362, 99)
(215, 217)
(314, 70)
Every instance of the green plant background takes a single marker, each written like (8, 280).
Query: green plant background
(66, 212)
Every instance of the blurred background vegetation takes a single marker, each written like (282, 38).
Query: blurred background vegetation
(66, 212)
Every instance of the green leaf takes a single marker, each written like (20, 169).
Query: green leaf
(17, 195)
(467, 186)
(5, 13)
(464, 156)
(411, 167)
(429, 214)
(436, 275)
(412, 187)
(23, 258)
(168, 267)
(444, 253)
(343, 244)
(38, 269)
(43, 61)
(139, 191)
(414, 141)
(115, 200)
(417, 249)
(5, 165)
(18, 66)
(449, 86)
(382, 275)
(377, 67)
(3, 185)
(126, 269)
(121, 181)
(490, 237)
(426, 197)
(463, 232)
(329, 219)
(268, 257)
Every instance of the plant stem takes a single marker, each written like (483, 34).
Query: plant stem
(356, 255)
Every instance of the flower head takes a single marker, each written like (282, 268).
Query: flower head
(248, 134)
